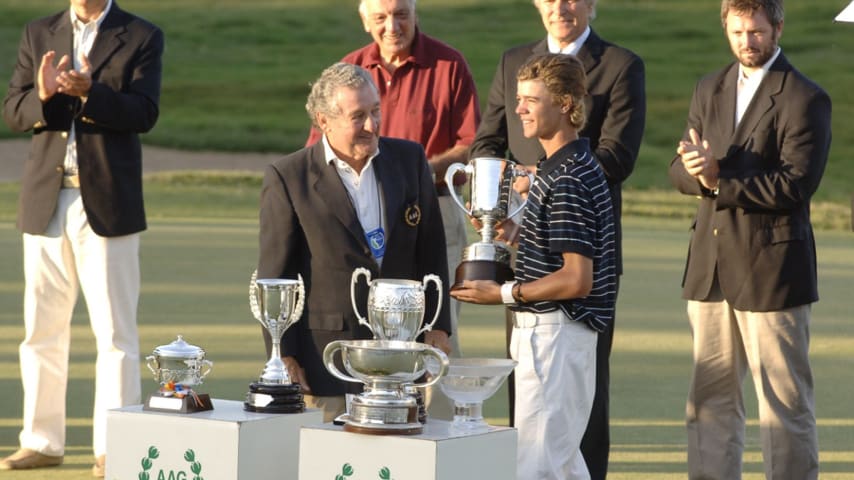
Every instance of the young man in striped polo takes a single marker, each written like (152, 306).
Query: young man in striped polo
(564, 291)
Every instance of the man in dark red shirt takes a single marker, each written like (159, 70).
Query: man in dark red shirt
(427, 95)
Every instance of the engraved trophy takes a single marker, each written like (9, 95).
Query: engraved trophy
(396, 311)
(395, 306)
(469, 382)
(277, 303)
(178, 367)
(384, 367)
(491, 191)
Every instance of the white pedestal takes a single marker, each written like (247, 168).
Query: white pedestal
(225, 443)
(327, 451)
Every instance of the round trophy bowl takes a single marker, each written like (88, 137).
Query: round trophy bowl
(469, 382)
(395, 306)
(385, 367)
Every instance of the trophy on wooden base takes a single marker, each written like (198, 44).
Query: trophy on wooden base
(178, 367)
(491, 191)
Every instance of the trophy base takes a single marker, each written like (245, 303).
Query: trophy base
(199, 402)
(383, 417)
(264, 398)
(482, 270)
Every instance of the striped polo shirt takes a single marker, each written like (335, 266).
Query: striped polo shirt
(569, 210)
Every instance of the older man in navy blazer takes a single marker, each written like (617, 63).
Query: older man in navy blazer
(354, 199)
(86, 84)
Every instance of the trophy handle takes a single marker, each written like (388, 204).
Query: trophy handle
(301, 302)
(443, 366)
(205, 368)
(253, 296)
(328, 360)
(353, 279)
(438, 281)
(151, 362)
(449, 180)
(531, 178)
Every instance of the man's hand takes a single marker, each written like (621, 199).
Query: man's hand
(47, 79)
(484, 292)
(76, 83)
(698, 160)
(297, 373)
(438, 339)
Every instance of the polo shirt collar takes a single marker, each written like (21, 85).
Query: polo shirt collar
(574, 149)
(418, 53)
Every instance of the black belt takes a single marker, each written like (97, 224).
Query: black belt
(442, 190)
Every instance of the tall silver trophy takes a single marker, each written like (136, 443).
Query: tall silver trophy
(277, 303)
(490, 187)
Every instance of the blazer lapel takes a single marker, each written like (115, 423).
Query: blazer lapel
(763, 101)
(391, 184)
(590, 53)
(328, 186)
(723, 107)
(62, 37)
(110, 38)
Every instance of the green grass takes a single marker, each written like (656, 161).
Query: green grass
(201, 247)
(237, 72)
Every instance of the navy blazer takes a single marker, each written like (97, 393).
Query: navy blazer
(308, 226)
(615, 108)
(756, 234)
(123, 102)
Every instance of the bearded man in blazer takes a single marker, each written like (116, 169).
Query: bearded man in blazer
(352, 200)
(86, 83)
(754, 152)
(616, 112)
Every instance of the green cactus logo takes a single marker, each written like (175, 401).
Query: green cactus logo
(346, 471)
(385, 473)
(147, 463)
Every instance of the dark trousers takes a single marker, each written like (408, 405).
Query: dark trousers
(596, 443)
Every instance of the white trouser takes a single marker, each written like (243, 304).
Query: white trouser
(555, 384)
(67, 257)
(438, 405)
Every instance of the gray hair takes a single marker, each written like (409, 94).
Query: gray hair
(773, 9)
(363, 9)
(321, 100)
(590, 3)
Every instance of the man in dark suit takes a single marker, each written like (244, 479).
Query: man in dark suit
(616, 111)
(754, 152)
(86, 83)
(352, 200)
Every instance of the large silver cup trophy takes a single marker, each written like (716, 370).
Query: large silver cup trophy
(384, 367)
(490, 186)
(277, 303)
(395, 312)
(395, 306)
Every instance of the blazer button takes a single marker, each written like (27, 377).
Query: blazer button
(64, 134)
(715, 232)
(59, 169)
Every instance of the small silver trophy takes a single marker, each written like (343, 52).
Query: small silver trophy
(178, 367)
(492, 196)
(395, 306)
(277, 303)
(385, 367)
